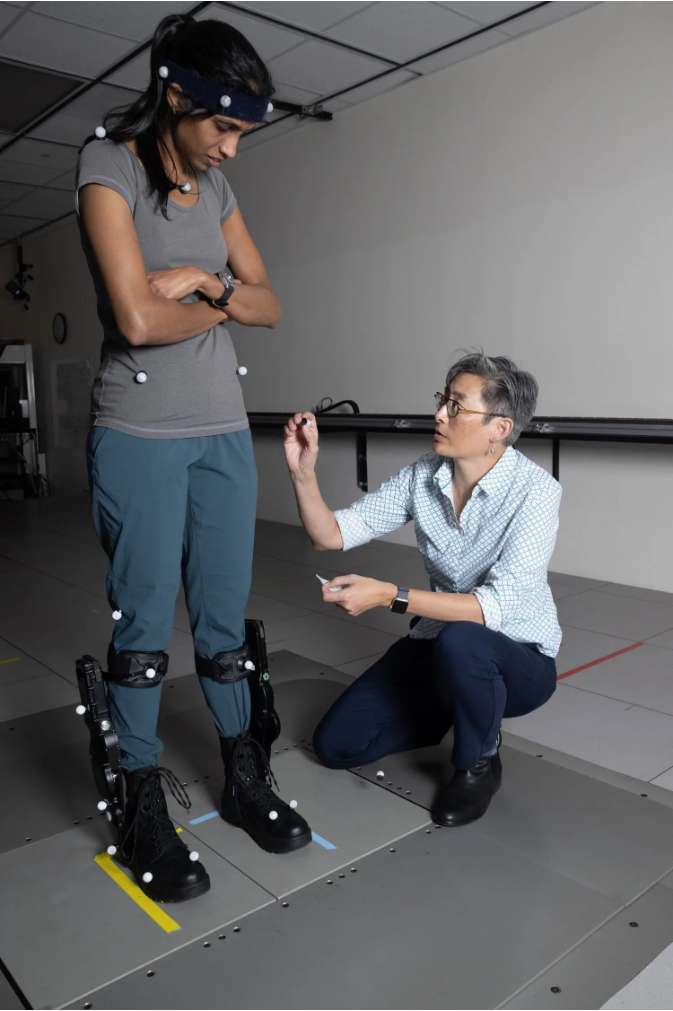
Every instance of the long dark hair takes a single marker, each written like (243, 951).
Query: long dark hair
(214, 50)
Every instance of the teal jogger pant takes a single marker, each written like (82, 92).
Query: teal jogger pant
(166, 511)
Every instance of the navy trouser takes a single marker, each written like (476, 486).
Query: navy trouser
(469, 677)
(167, 510)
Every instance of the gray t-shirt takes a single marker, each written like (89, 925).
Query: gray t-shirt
(192, 387)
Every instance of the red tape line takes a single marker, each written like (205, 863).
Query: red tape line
(627, 649)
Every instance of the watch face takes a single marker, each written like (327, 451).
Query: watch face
(59, 328)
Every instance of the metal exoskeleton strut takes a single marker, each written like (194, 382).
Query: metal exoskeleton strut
(264, 720)
(104, 746)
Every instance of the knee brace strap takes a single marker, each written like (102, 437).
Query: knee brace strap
(227, 667)
(136, 670)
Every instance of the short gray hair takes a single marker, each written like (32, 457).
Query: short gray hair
(507, 389)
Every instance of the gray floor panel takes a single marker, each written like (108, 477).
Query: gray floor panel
(579, 647)
(327, 640)
(73, 929)
(23, 698)
(368, 940)
(613, 615)
(625, 842)
(351, 815)
(589, 975)
(8, 998)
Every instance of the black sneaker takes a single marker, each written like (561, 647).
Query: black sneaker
(166, 870)
(249, 802)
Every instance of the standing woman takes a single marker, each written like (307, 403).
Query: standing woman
(170, 456)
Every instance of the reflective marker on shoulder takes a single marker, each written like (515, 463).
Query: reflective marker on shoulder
(100, 132)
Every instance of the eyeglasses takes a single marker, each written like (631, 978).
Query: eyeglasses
(453, 408)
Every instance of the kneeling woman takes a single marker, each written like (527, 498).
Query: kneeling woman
(485, 519)
(172, 471)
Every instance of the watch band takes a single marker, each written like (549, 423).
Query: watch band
(227, 280)
(401, 601)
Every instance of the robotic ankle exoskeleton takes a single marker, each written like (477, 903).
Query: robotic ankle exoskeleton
(146, 670)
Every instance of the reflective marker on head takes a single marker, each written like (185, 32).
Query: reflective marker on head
(225, 101)
(102, 805)
(273, 815)
(141, 377)
(147, 877)
(194, 856)
(112, 850)
(293, 804)
(163, 72)
(116, 615)
(80, 710)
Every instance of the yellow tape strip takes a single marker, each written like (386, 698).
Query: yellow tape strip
(105, 861)
(13, 660)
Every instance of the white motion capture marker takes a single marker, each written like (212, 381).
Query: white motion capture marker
(249, 665)
(116, 615)
(293, 804)
(269, 108)
(380, 775)
(194, 856)
(163, 72)
(112, 850)
(273, 815)
(242, 371)
(102, 805)
(141, 377)
(150, 672)
(105, 725)
(147, 877)
(225, 101)
(100, 132)
(80, 710)
(185, 187)
(108, 816)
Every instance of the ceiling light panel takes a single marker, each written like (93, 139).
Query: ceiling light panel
(129, 20)
(268, 40)
(32, 92)
(400, 31)
(42, 41)
(322, 68)
(314, 16)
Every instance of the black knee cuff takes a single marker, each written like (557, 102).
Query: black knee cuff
(136, 670)
(227, 667)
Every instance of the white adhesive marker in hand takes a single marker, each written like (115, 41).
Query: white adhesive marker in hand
(332, 589)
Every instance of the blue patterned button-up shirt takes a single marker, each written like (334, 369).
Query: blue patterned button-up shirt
(499, 550)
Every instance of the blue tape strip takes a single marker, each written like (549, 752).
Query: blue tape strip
(205, 817)
(323, 842)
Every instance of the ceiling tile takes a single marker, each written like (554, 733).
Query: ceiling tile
(374, 88)
(314, 16)
(400, 31)
(135, 74)
(96, 103)
(64, 182)
(43, 203)
(43, 154)
(130, 20)
(542, 17)
(486, 13)
(268, 40)
(298, 96)
(12, 191)
(47, 43)
(322, 68)
(461, 51)
(11, 226)
(65, 129)
(33, 91)
(14, 171)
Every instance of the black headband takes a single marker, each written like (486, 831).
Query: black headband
(216, 97)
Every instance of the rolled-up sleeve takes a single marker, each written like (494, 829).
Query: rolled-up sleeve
(513, 583)
(378, 513)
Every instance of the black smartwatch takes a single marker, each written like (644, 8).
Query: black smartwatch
(227, 279)
(401, 601)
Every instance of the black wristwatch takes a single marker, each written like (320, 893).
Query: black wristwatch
(227, 279)
(401, 601)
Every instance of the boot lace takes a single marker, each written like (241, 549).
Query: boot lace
(151, 816)
(252, 773)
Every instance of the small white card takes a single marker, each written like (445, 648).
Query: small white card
(332, 589)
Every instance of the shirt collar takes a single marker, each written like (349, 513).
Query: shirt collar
(494, 484)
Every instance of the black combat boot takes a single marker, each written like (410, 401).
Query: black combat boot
(164, 867)
(469, 793)
(249, 802)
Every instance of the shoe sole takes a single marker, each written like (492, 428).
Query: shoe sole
(270, 845)
(467, 821)
(176, 894)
